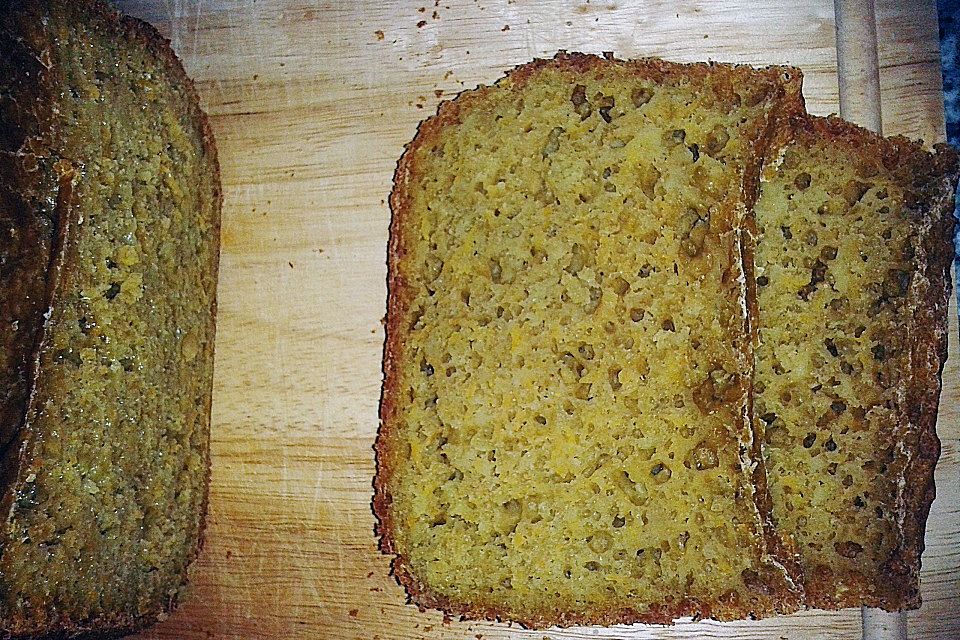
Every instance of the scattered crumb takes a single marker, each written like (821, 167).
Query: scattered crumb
(283, 64)
(447, 74)
(291, 264)
(435, 16)
(256, 75)
(438, 93)
(375, 589)
(382, 201)
(506, 27)
(428, 628)
(229, 554)
(369, 575)
(379, 34)
(421, 24)
(705, 36)
(354, 613)
(419, 106)
(421, 9)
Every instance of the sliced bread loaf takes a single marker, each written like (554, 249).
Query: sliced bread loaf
(109, 224)
(852, 275)
(564, 418)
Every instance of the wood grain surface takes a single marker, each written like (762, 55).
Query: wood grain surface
(311, 104)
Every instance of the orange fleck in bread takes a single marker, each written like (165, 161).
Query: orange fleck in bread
(852, 273)
(564, 419)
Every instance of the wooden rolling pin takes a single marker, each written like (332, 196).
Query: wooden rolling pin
(859, 74)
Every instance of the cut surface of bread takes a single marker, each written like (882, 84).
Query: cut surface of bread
(564, 420)
(110, 241)
(852, 274)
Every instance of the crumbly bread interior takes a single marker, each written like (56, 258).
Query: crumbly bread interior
(108, 504)
(564, 435)
(842, 222)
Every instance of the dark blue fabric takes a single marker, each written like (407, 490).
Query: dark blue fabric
(949, 14)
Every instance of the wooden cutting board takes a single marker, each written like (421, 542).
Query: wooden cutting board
(311, 104)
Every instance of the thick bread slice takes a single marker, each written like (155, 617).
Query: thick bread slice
(853, 262)
(109, 240)
(564, 431)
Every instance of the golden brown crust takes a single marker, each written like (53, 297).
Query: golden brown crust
(399, 295)
(35, 128)
(933, 176)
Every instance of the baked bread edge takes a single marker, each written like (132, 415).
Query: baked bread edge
(399, 295)
(13, 457)
(928, 298)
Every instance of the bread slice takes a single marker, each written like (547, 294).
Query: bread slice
(852, 276)
(109, 225)
(564, 431)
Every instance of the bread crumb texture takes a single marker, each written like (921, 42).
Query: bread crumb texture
(564, 435)
(109, 498)
(844, 222)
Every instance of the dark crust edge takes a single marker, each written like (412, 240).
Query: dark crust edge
(898, 582)
(929, 295)
(398, 298)
(121, 625)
